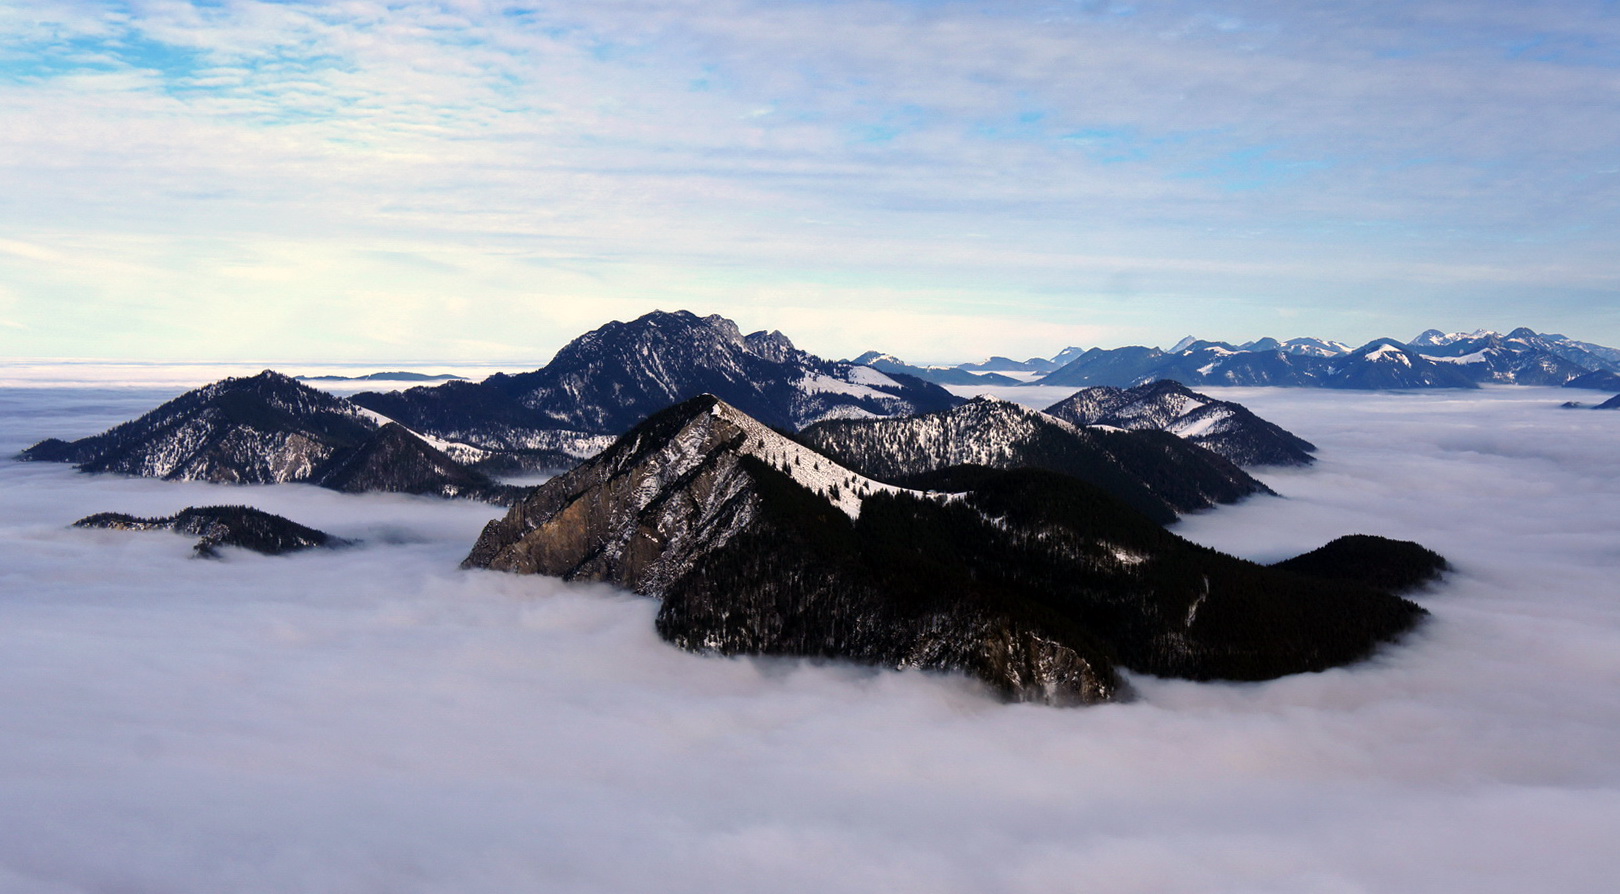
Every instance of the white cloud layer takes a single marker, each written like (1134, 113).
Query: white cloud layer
(374, 719)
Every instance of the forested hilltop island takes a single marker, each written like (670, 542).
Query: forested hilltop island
(778, 503)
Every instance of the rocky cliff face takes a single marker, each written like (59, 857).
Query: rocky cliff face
(1036, 583)
(1223, 427)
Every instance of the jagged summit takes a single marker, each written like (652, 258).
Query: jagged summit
(611, 378)
(1034, 582)
(1223, 427)
(605, 381)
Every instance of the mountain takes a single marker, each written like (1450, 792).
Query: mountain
(1597, 380)
(1155, 473)
(1612, 403)
(486, 415)
(219, 526)
(1306, 345)
(395, 459)
(1035, 583)
(1065, 356)
(272, 429)
(1434, 338)
(1582, 354)
(1222, 427)
(1099, 366)
(1519, 358)
(607, 380)
(1213, 363)
(1312, 347)
(1395, 565)
(1387, 364)
(1007, 364)
(939, 375)
(1523, 356)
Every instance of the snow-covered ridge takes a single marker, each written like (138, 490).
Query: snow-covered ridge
(837, 485)
(1388, 353)
(456, 450)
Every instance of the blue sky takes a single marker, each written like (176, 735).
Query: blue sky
(483, 180)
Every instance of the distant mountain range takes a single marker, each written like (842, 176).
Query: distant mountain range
(395, 376)
(1433, 359)
(1038, 583)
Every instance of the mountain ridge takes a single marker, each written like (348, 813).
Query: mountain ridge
(606, 380)
(1033, 582)
(272, 429)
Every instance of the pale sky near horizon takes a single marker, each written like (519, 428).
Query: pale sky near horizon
(482, 181)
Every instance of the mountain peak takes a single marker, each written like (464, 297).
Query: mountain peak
(271, 428)
(608, 379)
(771, 345)
(1033, 582)
(1225, 428)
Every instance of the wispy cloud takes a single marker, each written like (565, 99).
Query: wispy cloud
(917, 147)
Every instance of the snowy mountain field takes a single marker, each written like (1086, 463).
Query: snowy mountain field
(374, 718)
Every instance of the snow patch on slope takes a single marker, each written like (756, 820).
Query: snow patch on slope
(837, 485)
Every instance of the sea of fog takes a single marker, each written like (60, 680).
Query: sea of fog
(376, 720)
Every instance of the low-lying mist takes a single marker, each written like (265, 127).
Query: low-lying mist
(374, 719)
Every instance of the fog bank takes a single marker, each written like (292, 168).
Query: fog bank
(374, 719)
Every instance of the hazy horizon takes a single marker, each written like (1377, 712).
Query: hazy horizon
(25, 371)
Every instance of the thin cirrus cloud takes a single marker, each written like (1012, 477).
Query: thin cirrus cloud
(1430, 164)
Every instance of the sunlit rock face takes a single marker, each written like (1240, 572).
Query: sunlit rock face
(1036, 583)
